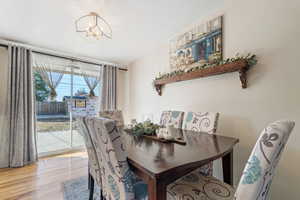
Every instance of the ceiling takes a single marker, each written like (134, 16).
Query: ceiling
(139, 26)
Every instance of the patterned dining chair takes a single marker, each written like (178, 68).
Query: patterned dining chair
(94, 159)
(114, 115)
(174, 118)
(206, 122)
(117, 181)
(201, 122)
(257, 176)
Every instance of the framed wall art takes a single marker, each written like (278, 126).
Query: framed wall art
(200, 44)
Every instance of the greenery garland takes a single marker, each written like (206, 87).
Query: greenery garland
(249, 58)
(143, 128)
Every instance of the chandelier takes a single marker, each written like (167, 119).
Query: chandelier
(92, 25)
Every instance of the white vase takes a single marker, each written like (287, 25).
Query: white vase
(160, 133)
(168, 133)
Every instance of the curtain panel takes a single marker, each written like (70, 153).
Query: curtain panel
(52, 70)
(52, 79)
(4, 119)
(91, 82)
(20, 109)
(108, 88)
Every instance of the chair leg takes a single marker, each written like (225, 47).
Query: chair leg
(92, 183)
(101, 195)
(89, 181)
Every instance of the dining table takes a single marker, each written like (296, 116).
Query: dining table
(159, 163)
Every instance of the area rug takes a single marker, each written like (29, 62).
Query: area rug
(77, 189)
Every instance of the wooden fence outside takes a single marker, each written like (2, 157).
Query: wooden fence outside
(51, 108)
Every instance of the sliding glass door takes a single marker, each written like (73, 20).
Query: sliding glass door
(53, 118)
(63, 92)
(83, 104)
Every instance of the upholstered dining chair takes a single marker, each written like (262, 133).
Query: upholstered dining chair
(206, 122)
(173, 118)
(256, 178)
(114, 115)
(94, 160)
(201, 122)
(116, 179)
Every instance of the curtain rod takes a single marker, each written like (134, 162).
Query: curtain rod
(5, 43)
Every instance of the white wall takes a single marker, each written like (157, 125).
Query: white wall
(122, 92)
(269, 28)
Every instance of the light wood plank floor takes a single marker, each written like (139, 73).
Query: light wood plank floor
(42, 181)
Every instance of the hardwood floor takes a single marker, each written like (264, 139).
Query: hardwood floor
(42, 181)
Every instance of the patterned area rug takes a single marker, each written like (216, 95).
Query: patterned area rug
(77, 189)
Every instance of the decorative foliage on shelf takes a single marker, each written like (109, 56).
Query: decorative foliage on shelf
(249, 58)
(143, 128)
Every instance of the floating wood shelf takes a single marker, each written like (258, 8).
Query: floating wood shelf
(241, 66)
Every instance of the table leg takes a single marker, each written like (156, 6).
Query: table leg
(157, 190)
(227, 162)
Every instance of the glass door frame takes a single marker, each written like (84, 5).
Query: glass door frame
(71, 148)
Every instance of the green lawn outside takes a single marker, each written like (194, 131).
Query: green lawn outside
(50, 126)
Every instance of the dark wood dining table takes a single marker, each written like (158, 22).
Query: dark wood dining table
(160, 163)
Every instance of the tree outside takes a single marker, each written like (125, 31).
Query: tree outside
(81, 92)
(41, 89)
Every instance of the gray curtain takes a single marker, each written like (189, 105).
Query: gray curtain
(20, 109)
(109, 88)
(4, 121)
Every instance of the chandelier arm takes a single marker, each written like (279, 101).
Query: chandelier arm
(107, 24)
(108, 36)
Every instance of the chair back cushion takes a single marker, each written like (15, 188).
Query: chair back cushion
(94, 161)
(116, 115)
(116, 176)
(174, 118)
(258, 173)
(201, 122)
